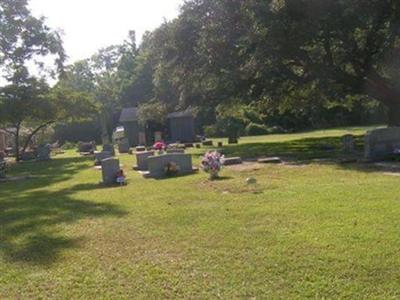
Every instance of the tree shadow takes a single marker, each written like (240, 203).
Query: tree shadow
(31, 219)
(293, 150)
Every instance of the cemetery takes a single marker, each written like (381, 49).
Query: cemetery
(189, 149)
(248, 192)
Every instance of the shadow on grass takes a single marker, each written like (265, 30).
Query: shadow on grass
(31, 221)
(294, 150)
(324, 150)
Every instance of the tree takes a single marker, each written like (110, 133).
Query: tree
(24, 40)
(332, 48)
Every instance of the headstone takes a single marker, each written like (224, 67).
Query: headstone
(109, 148)
(220, 144)
(198, 146)
(228, 161)
(176, 150)
(142, 138)
(157, 164)
(28, 155)
(207, 143)
(86, 147)
(270, 160)
(123, 146)
(381, 143)
(348, 143)
(189, 145)
(232, 140)
(99, 156)
(109, 169)
(43, 152)
(141, 159)
(3, 169)
(140, 148)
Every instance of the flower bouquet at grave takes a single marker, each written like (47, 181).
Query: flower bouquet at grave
(171, 169)
(211, 163)
(159, 146)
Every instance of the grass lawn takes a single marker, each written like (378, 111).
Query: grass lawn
(316, 229)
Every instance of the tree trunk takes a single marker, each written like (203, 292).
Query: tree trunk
(29, 138)
(104, 131)
(17, 153)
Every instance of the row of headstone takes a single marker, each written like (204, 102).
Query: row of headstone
(155, 164)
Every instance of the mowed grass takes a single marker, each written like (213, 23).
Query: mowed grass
(310, 230)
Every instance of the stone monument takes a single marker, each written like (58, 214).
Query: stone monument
(109, 169)
(381, 143)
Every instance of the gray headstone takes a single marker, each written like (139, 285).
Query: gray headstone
(157, 164)
(380, 143)
(123, 146)
(269, 160)
(3, 169)
(348, 143)
(175, 150)
(109, 148)
(99, 156)
(43, 152)
(228, 161)
(140, 148)
(86, 147)
(141, 159)
(28, 155)
(109, 169)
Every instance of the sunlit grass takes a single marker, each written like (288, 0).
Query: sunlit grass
(311, 230)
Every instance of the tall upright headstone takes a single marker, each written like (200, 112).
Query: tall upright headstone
(141, 159)
(109, 148)
(43, 152)
(381, 143)
(109, 169)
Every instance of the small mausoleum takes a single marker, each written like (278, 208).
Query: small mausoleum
(132, 130)
(181, 126)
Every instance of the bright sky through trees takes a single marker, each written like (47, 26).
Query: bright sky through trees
(91, 24)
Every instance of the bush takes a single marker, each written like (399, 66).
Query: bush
(256, 129)
(211, 131)
(69, 146)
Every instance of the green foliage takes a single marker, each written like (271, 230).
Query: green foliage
(152, 112)
(256, 129)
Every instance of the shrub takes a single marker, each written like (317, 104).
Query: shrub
(68, 146)
(256, 129)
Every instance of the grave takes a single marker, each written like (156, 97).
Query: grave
(28, 155)
(207, 143)
(220, 144)
(381, 143)
(43, 152)
(123, 146)
(109, 148)
(140, 148)
(348, 143)
(141, 159)
(232, 140)
(157, 164)
(229, 161)
(270, 160)
(99, 156)
(86, 147)
(175, 150)
(109, 169)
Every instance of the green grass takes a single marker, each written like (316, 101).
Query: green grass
(314, 230)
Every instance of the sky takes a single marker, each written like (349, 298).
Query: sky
(89, 25)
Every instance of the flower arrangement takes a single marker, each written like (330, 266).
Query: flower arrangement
(171, 169)
(159, 146)
(211, 163)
